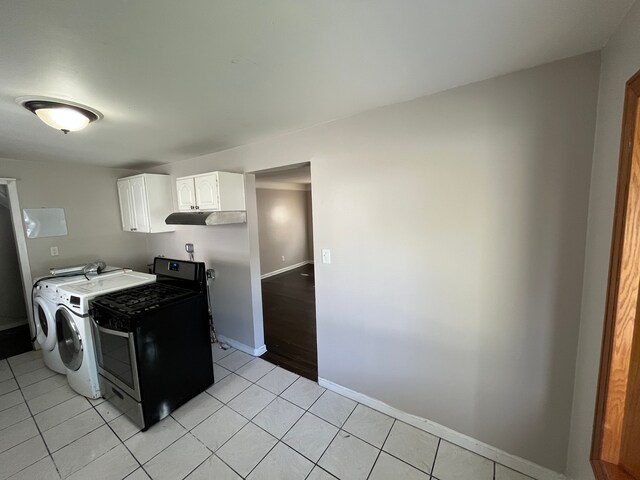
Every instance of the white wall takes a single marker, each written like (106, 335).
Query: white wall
(282, 223)
(12, 308)
(89, 198)
(457, 226)
(620, 60)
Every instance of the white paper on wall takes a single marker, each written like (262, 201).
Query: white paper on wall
(44, 222)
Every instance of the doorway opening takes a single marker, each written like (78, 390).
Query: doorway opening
(15, 334)
(285, 235)
(615, 452)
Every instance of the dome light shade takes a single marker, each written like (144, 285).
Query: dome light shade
(63, 118)
(68, 117)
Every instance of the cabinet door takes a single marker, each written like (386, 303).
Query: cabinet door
(126, 207)
(186, 194)
(207, 196)
(140, 206)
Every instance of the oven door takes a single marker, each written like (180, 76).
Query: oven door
(116, 356)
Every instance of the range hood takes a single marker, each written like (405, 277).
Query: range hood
(206, 218)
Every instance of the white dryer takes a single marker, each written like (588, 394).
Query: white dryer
(73, 326)
(45, 300)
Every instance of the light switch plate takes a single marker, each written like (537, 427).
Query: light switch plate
(326, 255)
(54, 251)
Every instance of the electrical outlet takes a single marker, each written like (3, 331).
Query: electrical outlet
(54, 251)
(283, 258)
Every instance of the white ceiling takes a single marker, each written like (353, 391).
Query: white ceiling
(177, 79)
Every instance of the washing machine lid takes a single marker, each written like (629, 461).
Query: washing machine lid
(105, 284)
(70, 343)
(57, 281)
(53, 282)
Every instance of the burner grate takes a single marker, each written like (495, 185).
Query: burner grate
(144, 297)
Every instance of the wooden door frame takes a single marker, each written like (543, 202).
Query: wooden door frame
(622, 298)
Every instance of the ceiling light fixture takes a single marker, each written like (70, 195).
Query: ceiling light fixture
(60, 114)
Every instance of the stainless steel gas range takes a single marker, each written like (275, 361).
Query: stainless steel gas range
(152, 342)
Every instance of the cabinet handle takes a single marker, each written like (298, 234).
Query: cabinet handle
(197, 207)
(134, 229)
(192, 207)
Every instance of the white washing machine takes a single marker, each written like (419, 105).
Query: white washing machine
(73, 326)
(45, 301)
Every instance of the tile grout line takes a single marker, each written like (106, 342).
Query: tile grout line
(249, 420)
(107, 423)
(278, 440)
(407, 463)
(265, 455)
(53, 426)
(307, 410)
(385, 441)
(225, 404)
(81, 436)
(91, 406)
(250, 361)
(435, 457)
(119, 439)
(201, 421)
(202, 462)
(36, 424)
(222, 460)
(380, 450)
(47, 393)
(189, 431)
(208, 457)
(336, 434)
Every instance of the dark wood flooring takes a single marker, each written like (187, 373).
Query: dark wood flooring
(289, 312)
(15, 341)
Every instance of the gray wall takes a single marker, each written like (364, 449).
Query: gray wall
(12, 308)
(283, 226)
(620, 60)
(90, 200)
(224, 248)
(235, 293)
(457, 228)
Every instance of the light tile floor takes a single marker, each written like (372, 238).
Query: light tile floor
(257, 421)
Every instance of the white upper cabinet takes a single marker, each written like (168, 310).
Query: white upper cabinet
(145, 202)
(140, 204)
(207, 192)
(126, 205)
(215, 191)
(186, 194)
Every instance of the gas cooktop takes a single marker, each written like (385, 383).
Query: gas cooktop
(133, 301)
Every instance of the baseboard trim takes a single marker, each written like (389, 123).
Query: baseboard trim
(256, 352)
(516, 463)
(285, 269)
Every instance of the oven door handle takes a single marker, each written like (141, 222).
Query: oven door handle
(109, 331)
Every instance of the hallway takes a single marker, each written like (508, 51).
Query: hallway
(288, 304)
